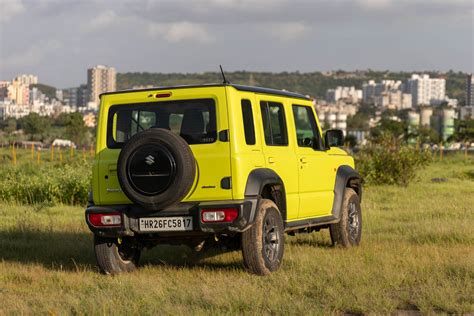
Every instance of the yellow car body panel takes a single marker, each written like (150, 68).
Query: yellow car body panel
(212, 160)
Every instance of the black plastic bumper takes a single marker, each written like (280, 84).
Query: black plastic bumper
(132, 213)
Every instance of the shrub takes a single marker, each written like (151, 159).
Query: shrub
(387, 160)
(49, 183)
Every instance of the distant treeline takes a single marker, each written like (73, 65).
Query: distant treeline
(314, 84)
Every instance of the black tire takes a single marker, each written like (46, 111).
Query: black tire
(263, 244)
(115, 258)
(348, 231)
(157, 185)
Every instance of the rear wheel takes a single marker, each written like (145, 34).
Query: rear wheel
(348, 231)
(263, 243)
(116, 255)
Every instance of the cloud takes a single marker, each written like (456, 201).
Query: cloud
(34, 55)
(375, 4)
(180, 31)
(102, 20)
(286, 31)
(330, 34)
(9, 9)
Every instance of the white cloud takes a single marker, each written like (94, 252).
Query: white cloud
(10, 8)
(180, 31)
(375, 4)
(34, 55)
(102, 20)
(286, 31)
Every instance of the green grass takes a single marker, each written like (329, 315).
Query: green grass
(64, 180)
(417, 254)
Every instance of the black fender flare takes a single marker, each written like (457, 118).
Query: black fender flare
(256, 182)
(346, 176)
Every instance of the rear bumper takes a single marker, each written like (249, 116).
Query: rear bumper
(132, 213)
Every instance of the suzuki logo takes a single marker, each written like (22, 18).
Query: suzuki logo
(150, 160)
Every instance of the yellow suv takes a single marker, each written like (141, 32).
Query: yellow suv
(229, 163)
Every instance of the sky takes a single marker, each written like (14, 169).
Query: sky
(59, 39)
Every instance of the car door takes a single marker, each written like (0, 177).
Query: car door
(277, 148)
(315, 170)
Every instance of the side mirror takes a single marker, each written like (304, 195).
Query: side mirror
(334, 138)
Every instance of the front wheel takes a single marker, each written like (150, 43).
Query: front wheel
(115, 256)
(263, 243)
(348, 231)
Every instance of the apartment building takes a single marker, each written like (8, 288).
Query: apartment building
(100, 79)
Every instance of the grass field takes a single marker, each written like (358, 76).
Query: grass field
(417, 254)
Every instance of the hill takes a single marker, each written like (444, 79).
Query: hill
(311, 83)
(47, 90)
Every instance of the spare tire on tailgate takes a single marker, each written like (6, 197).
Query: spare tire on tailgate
(156, 168)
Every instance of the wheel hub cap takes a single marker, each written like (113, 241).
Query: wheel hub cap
(271, 239)
(151, 169)
(354, 221)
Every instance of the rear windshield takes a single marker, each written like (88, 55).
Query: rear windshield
(194, 120)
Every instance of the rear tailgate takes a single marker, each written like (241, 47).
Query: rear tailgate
(213, 159)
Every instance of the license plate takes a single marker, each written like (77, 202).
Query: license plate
(177, 223)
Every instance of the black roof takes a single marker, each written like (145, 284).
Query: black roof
(236, 86)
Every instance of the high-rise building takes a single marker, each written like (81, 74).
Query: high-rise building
(394, 99)
(27, 79)
(368, 91)
(347, 93)
(77, 97)
(100, 79)
(470, 90)
(19, 92)
(426, 113)
(466, 112)
(426, 90)
(4, 90)
(372, 91)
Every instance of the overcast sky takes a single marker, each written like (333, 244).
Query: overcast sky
(59, 39)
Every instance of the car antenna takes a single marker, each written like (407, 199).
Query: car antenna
(223, 76)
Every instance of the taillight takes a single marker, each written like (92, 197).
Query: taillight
(105, 219)
(222, 215)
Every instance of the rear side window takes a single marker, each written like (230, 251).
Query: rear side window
(307, 133)
(249, 128)
(274, 124)
(194, 120)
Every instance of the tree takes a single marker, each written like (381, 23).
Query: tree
(9, 126)
(359, 121)
(464, 130)
(426, 135)
(37, 127)
(387, 126)
(351, 140)
(75, 128)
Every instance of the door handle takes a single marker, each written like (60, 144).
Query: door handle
(271, 160)
(303, 160)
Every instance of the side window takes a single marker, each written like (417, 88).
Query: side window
(307, 133)
(274, 124)
(249, 128)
